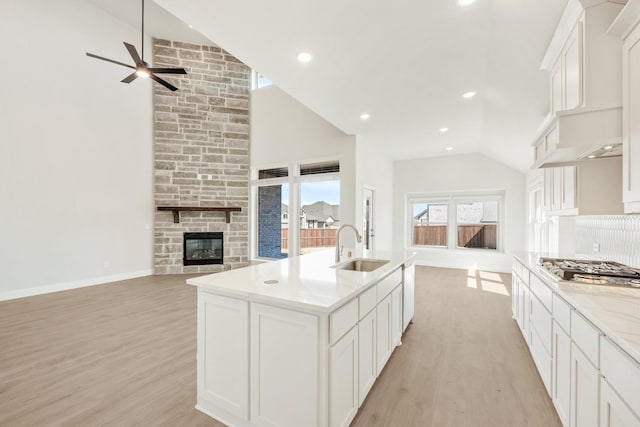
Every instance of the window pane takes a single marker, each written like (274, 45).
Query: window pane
(273, 221)
(322, 167)
(430, 223)
(319, 215)
(273, 173)
(477, 224)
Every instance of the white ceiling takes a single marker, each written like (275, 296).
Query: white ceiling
(405, 62)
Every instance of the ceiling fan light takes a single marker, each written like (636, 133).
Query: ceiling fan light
(142, 73)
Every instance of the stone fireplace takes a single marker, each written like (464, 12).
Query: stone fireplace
(201, 141)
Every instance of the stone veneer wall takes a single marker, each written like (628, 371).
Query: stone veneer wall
(201, 152)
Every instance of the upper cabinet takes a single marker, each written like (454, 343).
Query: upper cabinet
(584, 63)
(627, 27)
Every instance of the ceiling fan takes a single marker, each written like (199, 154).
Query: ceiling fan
(141, 67)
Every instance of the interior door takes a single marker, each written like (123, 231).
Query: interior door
(367, 221)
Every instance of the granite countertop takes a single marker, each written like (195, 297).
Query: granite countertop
(304, 282)
(614, 310)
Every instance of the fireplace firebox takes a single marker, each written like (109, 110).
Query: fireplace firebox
(203, 248)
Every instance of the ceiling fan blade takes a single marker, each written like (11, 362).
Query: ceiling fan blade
(134, 53)
(167, 70)
(162, 82)
(109, 60)
(131, 77)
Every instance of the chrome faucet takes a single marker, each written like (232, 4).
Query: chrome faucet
(358, 238)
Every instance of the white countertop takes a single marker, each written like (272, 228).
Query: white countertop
(305, 282)
(614, 310)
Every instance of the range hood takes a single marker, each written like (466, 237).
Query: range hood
(573, 135)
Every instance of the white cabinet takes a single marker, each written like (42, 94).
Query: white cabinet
(383, 334)
(223, 357)
(515, 295)
(622, 374)
(525, 309)
(571, 58)
(367, 367)
(556, 89)
(585, 390)
(631, 121)
(284, 367)
(343, 380)
(408, 294)
(592, 187)
(614, 412)
(561, 374)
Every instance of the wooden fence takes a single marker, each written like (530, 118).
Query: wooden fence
(469, 236)
(311, 237)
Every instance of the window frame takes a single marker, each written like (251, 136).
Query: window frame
(294, 181)
(453, 199)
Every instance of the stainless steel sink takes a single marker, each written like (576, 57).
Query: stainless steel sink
(361, 264)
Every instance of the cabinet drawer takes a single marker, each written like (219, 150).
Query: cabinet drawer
(586, 336)
(542, 359)
(542, 291)
(562, 313)
(541, 322)
(367, 301)
(343, 319)
(622, 372)
(386, 285)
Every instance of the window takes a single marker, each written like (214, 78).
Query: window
(258, 80)
(430, 223)
(456, 221)
(313, 191)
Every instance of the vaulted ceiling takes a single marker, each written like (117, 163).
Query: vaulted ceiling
(404, 62)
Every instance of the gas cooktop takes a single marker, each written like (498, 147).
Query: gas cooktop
(592, 272)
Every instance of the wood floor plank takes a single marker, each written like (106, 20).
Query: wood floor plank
(123, 354)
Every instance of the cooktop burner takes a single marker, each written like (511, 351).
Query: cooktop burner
(592, 272)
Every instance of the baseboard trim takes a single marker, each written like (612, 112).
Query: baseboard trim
(65, 286)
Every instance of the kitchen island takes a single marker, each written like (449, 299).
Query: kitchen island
(298, 342)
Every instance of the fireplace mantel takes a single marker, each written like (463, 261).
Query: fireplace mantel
(177, 209)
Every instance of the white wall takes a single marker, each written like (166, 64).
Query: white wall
(284, 130)
(460, 173)
(375, 171)
(76, 171)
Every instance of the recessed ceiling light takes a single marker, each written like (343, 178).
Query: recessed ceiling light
(449, 148)
(608, 147)
(365, 116)
(443, 130)
(305, 57)
(469, 95)
(191, 26)
(465, 2)
(591, 156)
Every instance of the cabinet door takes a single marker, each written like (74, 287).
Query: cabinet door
(585, 390)
(396, 316)
(548, 189)
(515, 294)
(343, 380)
(556, 198)
(223, 354)
(572, 61)
(408, 294)
(367, 368)
(525, 309)
(614, 412)
(284, 367)
(631, 118)
(383, 335)
(561, 374)
(569, 188)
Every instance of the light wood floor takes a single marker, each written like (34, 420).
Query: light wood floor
(123, 354)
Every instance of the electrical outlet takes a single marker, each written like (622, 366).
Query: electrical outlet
(596, 247)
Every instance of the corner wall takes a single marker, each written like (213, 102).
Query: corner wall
(76, 160)
(461, 173)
